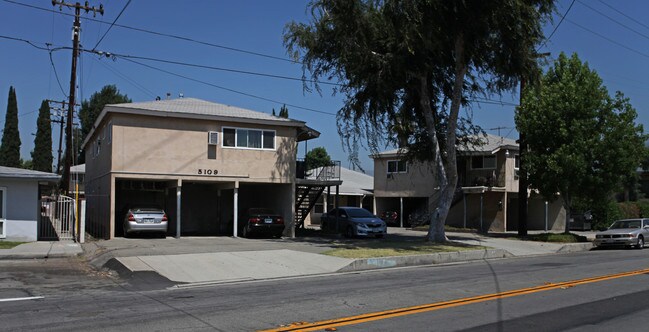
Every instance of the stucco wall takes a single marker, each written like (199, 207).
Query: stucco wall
(180, 147)
(419, 181)
(22, 209)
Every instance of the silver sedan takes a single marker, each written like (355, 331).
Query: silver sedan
(627, 232)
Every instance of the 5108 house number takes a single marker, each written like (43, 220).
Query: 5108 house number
(203, 171)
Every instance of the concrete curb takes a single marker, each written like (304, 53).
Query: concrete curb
(575, 247)
(18, 256)
(416, 260)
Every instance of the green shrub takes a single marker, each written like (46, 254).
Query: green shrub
(629, 210)
(643, 207)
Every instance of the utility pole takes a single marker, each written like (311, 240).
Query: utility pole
(60, 121)
(522, 170)
(76, 31)
(522, 174)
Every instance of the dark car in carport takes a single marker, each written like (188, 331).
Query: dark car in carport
(261, 221)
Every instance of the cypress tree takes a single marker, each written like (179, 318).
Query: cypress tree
(10, 148)
(283, 112)
(42, 153)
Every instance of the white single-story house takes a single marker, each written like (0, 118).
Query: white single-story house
(20, 193)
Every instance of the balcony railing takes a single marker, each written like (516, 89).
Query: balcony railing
(322, 173)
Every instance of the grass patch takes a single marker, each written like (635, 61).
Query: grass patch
(424, 228)
(371, 249)
(9, 244)
(557, 237)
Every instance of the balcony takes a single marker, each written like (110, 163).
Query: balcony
(325, 173)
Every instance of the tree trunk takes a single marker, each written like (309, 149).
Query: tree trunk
(446, 168)
(566, 205)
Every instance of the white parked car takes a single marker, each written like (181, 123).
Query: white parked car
(627, 232)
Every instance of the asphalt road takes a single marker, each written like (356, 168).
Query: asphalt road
(521, 294)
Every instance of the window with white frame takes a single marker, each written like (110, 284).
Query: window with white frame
(397, 166)
(483, 162)
(3, 217)
(249, 138)
(517, 161)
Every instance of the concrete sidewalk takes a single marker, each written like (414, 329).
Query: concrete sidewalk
(202, 260)
(192, 260)
(42, 249)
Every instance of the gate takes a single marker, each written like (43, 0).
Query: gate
(56, 221)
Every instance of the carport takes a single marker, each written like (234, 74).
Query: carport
(208, 208)
(404, 206)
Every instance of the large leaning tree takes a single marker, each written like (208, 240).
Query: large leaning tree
(407, 67)
(582, 142)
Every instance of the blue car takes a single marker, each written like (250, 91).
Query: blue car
(353, 221)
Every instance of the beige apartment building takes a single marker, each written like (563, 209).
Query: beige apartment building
(203, 162)
(487, 193)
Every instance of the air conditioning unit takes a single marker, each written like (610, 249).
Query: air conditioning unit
(213, 138)
(3, 233)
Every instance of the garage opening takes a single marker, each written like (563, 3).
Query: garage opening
(130, 193)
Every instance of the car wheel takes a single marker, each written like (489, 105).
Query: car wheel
(640, 242)
(350, 232)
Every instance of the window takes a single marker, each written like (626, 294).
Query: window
(397, 166)
(483, 162)
(249, 138)
(109, 132)
(517, 161)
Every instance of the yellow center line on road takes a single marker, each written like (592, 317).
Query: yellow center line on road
(379, 315)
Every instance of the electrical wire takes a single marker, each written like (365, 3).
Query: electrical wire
(625, 15)
(112, 24)
(230, 70)
(161, 34)
(614, 20)
(558, 25)
(126, 78)
(608, 39)
(56, 74)
(228, 89)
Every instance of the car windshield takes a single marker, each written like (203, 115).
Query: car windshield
(625, 224)
(359, 213)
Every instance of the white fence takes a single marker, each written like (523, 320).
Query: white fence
(57, 220)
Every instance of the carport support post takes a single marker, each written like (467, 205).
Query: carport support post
(337, 211)
(401, 211)
(481, 205)
(464, 201)
(235, 218)
(178, 195)
(546, 216)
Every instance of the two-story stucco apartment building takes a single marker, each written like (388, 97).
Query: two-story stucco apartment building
(487, 194)
(203, 162)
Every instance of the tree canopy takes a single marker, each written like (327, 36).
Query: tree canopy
(406, 67)
(583, 143)
(283, 112)
(42, 154)
(318, 157)
(10, 148)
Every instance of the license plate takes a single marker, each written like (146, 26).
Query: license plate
(148, 220)
(268, 220)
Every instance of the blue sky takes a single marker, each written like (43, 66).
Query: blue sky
(620, 54)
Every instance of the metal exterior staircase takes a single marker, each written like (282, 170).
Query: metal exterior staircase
(306, 196)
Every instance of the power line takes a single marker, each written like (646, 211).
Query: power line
(173, 62)
(557, 27)
(608, 39)
(625, 15)
(112, 24)
(162, 34)
(614, 20)
(126, 78)
(56, 74)
(228, 89)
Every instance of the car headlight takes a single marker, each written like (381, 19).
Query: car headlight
(361, 226)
